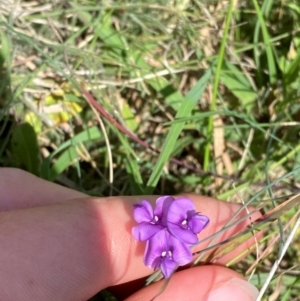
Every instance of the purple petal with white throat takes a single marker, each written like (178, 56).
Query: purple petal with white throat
(156, 245)
(177, 222)
(165, 251)
(178, 210)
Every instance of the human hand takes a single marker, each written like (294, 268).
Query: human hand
(59, 244)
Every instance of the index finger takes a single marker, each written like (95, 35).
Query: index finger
(126, 256)
(86, 244)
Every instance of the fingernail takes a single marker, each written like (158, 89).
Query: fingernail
(234, 290)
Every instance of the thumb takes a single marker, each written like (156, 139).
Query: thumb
(206, 283)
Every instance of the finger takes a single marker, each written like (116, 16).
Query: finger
(20, 189)
(220, 215)
(71, 250)
(207, 283)
(127, 253)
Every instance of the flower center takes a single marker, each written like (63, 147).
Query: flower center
(184, 224)
(167, 254)
(155, 220)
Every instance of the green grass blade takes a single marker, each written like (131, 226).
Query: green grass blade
(238, 84)
(67, 158)
(172, 97)
(216, 86)
(265, 9)
(135, 177)
(293, 70)
(267, 42)
(184, 111)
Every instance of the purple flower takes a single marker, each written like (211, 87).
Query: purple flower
(150, 222)
(184, 222)
(166, 252)
(169, 230)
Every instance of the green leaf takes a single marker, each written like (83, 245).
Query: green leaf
(286, 296)
(292, 72)
(48, 172)
(84, 16)
(284, 64)
(172, 97)
(110, 37)
(129, 117)
(161, 85)
(4, 48)
(296, 166)
(135, 177)
(184, 111)
(67, 158)
(237, 83)
(182, 143)
(25, 148)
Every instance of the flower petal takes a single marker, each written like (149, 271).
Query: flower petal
(178, 210)
(156, 263)
(162, 207)
(198, 222)
(143, 212)
(184, 235)
(182, 254)
(178, 213)
(168, 266)
(145, 231)
(156, 245)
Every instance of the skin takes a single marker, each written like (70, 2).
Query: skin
(59, 244)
